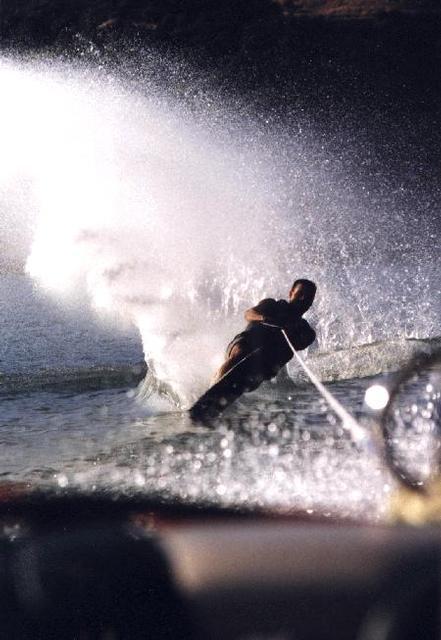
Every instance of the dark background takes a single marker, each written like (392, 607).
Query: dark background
(367, 66)
(393, 46)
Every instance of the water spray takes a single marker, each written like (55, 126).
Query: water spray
(170, 216)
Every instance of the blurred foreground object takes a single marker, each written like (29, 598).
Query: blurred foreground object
(418, 508)
(411, 426)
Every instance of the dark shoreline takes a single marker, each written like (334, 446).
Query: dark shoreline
(377, 77)
(238, 36)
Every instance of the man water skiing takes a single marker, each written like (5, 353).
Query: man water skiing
(260, 351)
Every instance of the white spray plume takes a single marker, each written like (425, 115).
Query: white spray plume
(156, 219)
(178, 222)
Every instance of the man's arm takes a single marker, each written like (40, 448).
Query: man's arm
(253, 315)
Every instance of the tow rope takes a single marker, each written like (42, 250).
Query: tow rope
(359, 434)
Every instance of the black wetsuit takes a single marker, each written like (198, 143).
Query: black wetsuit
(273, 347)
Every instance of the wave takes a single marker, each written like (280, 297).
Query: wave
(368, 359)
(78, 380)
(357, 361)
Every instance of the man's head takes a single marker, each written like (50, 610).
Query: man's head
(302, 294)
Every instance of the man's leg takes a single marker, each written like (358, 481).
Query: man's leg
(235, 354)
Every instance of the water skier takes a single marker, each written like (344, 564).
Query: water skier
(263, 331)
(260, 351)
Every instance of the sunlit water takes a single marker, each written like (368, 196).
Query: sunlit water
(279, 447)
(147, 220)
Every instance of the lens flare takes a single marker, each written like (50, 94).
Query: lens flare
(376, 397)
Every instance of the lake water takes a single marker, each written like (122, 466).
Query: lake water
(279, 447)
(148, 210)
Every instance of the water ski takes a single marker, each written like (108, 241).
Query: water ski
(246, 375)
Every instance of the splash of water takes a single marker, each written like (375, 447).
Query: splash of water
(179, 220)
(155, 219)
